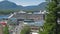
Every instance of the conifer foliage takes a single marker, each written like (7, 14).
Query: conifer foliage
(50, 24)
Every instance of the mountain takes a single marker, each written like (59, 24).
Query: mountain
(7, 5)
(39, 7)
(43, 6)
(28, 8)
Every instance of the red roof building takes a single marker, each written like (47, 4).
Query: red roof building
(3, 22)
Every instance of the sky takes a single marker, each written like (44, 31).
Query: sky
(26, 2)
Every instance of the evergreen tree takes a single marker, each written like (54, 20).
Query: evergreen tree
(5, 30)
(50, 24)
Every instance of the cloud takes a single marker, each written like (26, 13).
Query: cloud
(1, 0)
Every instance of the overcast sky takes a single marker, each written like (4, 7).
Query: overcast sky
(26, 2)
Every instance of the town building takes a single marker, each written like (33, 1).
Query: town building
(36, 16)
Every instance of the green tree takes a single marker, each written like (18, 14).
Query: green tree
(50, 18)
(31, 11)
(25, 30)
(5, 30)
(8, 11)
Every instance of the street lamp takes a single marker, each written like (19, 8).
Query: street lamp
(58, 17)
(57, 22)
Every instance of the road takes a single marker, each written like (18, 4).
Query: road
(18, 29)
